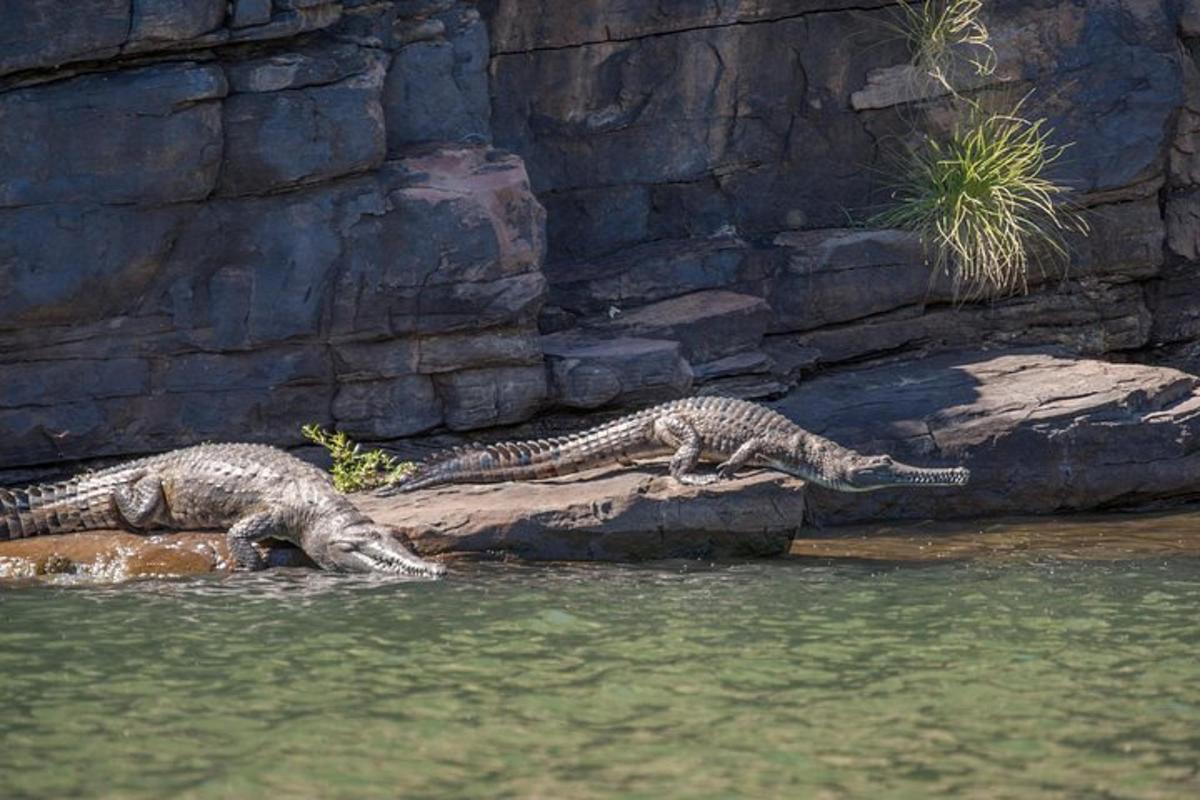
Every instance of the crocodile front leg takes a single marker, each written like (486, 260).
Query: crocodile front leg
(244, 534)
(140, 502)
(677, 432)
(748, 450)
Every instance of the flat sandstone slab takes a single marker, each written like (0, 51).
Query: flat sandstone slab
(628, 515)
(606, 515)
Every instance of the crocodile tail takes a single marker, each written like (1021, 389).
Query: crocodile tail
(532, 459)
(42, 510)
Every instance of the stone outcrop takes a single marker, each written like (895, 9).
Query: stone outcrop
(1040, 432)
(202, 238)
(221, 220)
(617, 516)
(724, 147)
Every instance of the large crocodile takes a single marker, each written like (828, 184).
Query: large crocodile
(255, 491)
(734, 432)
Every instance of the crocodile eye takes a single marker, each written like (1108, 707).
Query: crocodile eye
(345, 546)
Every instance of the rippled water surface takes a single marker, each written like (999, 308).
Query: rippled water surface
(796, 678)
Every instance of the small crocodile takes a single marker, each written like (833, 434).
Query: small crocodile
(255, 491)
(734, 432)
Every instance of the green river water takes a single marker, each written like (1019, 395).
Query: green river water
(1036, 677)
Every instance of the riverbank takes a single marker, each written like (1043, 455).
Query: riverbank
(113, 556)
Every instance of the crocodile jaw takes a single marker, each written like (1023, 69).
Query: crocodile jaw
(362, 548)
(396, 561)
(886, 474)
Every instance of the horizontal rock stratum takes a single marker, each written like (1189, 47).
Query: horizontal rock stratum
(1041, 433)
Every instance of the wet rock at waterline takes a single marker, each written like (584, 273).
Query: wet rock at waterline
(106, 556)
(600, 516)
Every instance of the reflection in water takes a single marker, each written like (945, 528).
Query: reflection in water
(801, 678)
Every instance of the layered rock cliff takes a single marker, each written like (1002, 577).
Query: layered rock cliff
(218, 221)
(688, 150)
(223, 220)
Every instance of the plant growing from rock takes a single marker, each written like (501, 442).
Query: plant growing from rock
(977, 198)
(981, 205)
(354, 469)
(944, 34)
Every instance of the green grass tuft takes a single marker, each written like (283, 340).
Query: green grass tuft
(942, 34)
(354, 469)
(981, 205)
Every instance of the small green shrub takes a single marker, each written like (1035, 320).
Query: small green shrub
(981, 205)
(353, 469)
(944, 33)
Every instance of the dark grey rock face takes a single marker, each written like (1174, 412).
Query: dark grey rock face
(174, 20)
(151, 136)
(749, 113)
(725, 147)
(253, 315)
(437, 88)
(221, 245)
(44, 33)
(281, 137)
(589, 373)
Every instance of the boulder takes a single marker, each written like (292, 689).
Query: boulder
(836, 276)
(1040, 432)
(629, 515)
(478, 398)
(386, 408)
(250, 12)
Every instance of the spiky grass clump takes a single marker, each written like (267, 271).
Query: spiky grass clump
(944, 33)
(353, 468)
(982, 206)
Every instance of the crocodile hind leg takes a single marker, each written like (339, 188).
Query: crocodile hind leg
(141, 502)
(748, 450)
(244, 534)
(679, 433)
